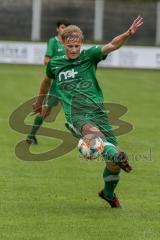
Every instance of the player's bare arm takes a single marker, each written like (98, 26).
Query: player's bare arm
(118, 41)
(44, 88)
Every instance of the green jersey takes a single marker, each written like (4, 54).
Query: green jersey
(54, 48)
(75, 82)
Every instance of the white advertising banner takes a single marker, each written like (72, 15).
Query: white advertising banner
(22, 52)
(134, 57)
(125, 57)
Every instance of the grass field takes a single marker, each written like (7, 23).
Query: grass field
(57, 199)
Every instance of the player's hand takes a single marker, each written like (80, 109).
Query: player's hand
(135, 25)
(37, 108)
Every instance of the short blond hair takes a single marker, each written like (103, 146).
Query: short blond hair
(71, 33)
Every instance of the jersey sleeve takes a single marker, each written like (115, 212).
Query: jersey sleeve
(95, 54)
(50, 48)
(49, 73)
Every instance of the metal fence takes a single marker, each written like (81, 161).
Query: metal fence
(16, 22)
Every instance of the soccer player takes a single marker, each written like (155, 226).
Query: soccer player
(54, 45)
(54, 48)
(74, 78)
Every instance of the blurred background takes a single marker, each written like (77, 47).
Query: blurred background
(34, 20)
(57, 199)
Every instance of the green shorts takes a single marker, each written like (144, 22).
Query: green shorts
(98, 119)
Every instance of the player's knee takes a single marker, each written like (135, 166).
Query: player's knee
(91, 129)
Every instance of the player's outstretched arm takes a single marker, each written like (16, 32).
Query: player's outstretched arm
(118, 41)
(44, 88)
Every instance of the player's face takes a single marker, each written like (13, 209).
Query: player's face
(61, 28)
(73, 48)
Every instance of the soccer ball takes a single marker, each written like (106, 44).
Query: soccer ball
(90, 146)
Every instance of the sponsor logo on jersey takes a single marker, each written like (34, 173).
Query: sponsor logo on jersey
(66, 75)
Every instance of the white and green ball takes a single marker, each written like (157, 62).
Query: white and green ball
(91, 146)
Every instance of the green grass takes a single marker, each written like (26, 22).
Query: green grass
(57, 199)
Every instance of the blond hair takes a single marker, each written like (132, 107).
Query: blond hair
(72, 33)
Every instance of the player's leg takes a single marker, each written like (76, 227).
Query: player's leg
(80, 128)
(49, 102)
(111, 154)
(115, 161)
(111, 151)
(113, 158)
(111, 179)
(38, 121)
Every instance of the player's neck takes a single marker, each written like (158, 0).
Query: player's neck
(59, 38)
